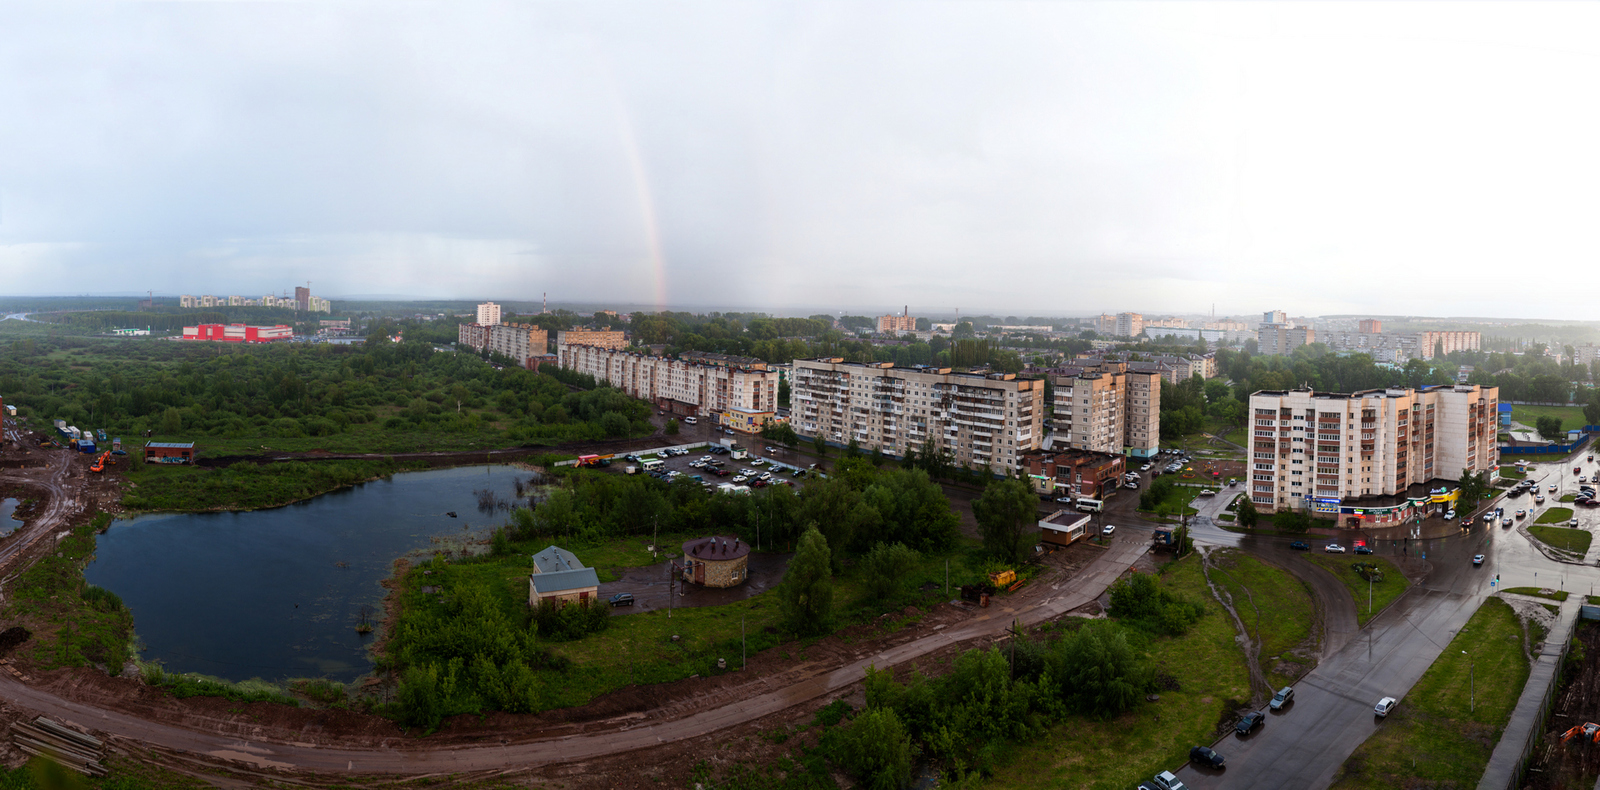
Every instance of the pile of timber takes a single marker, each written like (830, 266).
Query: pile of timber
(52, 741)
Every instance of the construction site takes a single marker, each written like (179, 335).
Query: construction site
(1568, 754)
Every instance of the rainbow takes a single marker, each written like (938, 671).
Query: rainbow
(647, 206)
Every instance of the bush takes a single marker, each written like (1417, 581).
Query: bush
(1138, 599)
(877, 750)
(885, 567)
(570, 621)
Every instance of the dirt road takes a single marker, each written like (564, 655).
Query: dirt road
(231, 742)
(51, 477)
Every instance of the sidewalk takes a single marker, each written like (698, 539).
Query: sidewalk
(1516, 741)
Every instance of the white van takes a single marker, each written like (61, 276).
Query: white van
(1090, 505)
(654, 465)
(690, 421)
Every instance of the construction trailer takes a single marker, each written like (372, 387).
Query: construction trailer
(169, 452)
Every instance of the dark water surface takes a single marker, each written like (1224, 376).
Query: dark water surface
(261, 594)
(8, 516)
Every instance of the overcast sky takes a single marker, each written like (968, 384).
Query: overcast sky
(1436, 158)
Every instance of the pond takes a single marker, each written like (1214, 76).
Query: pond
(278, 593)
(8, 516)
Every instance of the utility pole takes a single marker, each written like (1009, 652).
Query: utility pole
(744, 660)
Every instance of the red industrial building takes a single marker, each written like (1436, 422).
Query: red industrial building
(238, 333)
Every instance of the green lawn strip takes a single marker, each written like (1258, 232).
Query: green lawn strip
(1563, 538)
(74, 624)
(1571, 417)
(1592, 600)
(1382, 592)
(1555, 515)
(1559, 595)
(1568, 497)
(1447, 725)
(1281, 616)
(1512, 472)
(1121, 752)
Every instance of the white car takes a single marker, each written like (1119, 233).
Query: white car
(739, 478)
(1552, 488)
(1449, 515)
(1539, 500)
(1333, 548)
(757, 462)
(1144, 468)
(1108, 530)
(1385, 705)
(1207, 492)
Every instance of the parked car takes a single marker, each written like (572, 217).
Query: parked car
(622, 599)
(1250, 722)
(1205, 755)
(1130, 484)
(1300, 545)
(1385, 705)
(1207, 492)
(1284, 696)
(1477, 559)
(1333, 548)
(1166, 781)
(1363, 549)
(1449, 514)
(1108, 530)
(1144, 468)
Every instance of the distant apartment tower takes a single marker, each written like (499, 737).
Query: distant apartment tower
(488, 314)
(1280, 339)
(520, 342)
(1130, 324)
(188, 301)
(1105, 324)
(1275, 317)
(984, 421)
(897, 324)
(680, 386)
(1431, 343)
(1109, 410)
(1323, 451)
(1169, 322)
(613, 339)
(1369, 326)
(302, 298)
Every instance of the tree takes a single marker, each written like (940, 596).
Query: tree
(877, 750)
(171, 422)
(1007, 518)
(672, 427)
(807, 590)
(820, 445)
(1246, 513)
(1292, 521)
(885, 567)
(1549, 427)
(1474, 487)
(1099, 673)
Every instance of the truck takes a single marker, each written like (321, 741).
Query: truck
(1164, 536)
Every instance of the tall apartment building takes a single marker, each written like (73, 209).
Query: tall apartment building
(1171, 322)
(897, 324)
(518, 341)
(676, 385)
(1281, 339)
(1275, 317)
(488, 314)
(1226, 325)
(1129, 324)
(981, 420)
(1109, 410)
(1105, 324)
(1399, 348)
(1355, 454)
(302, 298)
(1431, 343)
(1369, 326)
(614, 339)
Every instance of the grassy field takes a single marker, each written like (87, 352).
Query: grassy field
(1382, 592)
(1564, 538)
(1570, 416)
(1554, 515)
(639, 648)
(1512, 472)
(74, 624)
(245, 486)
(1276, 608)
(1120, 753)
(1447, 725)
(1559, 595)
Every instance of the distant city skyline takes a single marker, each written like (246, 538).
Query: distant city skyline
(1387, 158)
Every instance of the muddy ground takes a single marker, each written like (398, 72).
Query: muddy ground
(1576, 763)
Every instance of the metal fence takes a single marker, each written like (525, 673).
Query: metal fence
(1536, 734)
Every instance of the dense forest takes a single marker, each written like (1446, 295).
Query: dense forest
(380, 397)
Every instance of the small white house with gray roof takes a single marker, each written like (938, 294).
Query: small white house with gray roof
(559, 576)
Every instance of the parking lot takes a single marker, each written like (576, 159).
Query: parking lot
(762, 466)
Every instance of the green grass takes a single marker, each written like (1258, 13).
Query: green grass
(1447, 725)
(1563, 538)
(1568, 497)
(1120, 753)
(1277, 611)
(1571, 417)
(243, 485)
(1555, 515)
(1559, 595)
(1382, 593)
(1512, 473)
(74, 624)
(638, 648)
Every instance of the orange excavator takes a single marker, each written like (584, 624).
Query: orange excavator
(1589, 730)
(100, 463)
